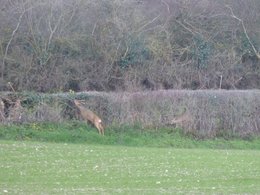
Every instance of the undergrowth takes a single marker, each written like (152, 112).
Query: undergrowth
(78, 132)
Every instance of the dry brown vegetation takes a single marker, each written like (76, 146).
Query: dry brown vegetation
(204, 113)
(116, 45)
(143, 53)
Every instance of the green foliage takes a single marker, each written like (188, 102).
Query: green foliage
(245, 45)
(32, 99)
(202, 51)
(37, 48)
(65, 47)
(79, 47)
(89, 48)
(136, 52)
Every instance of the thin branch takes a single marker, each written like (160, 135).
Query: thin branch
(118, 46)
(9, 42)
(186, 28)
(245, 31)
(148, 23)
(68, 22)
(94, 28)
(126, 51)
(167, 5)
(53, 30)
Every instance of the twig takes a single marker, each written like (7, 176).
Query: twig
(125, 52)
(186, 28)
(53, 30)
(94, 28)
(150, 22)
(167, 5)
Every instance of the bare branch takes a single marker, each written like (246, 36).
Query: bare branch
(94, 28)
(186, 28)
(53, 30)
(9, 42)
(148, 23)
(167, 5)
(245, 31)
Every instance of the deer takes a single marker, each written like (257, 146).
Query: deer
(90, 116)
(182, 119)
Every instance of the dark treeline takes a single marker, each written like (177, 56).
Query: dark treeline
(114, 45)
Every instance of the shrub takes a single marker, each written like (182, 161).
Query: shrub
(211, 113)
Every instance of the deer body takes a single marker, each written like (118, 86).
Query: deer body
(90, 116)
(180, 119)
(183, 120)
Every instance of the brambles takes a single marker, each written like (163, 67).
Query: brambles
(128, 45)
(211, 113)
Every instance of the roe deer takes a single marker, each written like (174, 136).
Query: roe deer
(90, 116)
(183, 119)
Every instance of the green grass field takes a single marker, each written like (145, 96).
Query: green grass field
(60, 168)
(71, 158)
(79, 133)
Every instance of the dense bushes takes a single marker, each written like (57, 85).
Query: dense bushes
(117, 45)
(208, 113)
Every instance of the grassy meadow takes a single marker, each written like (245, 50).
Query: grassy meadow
(80, 133)
(72, 159)
(61, 168)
